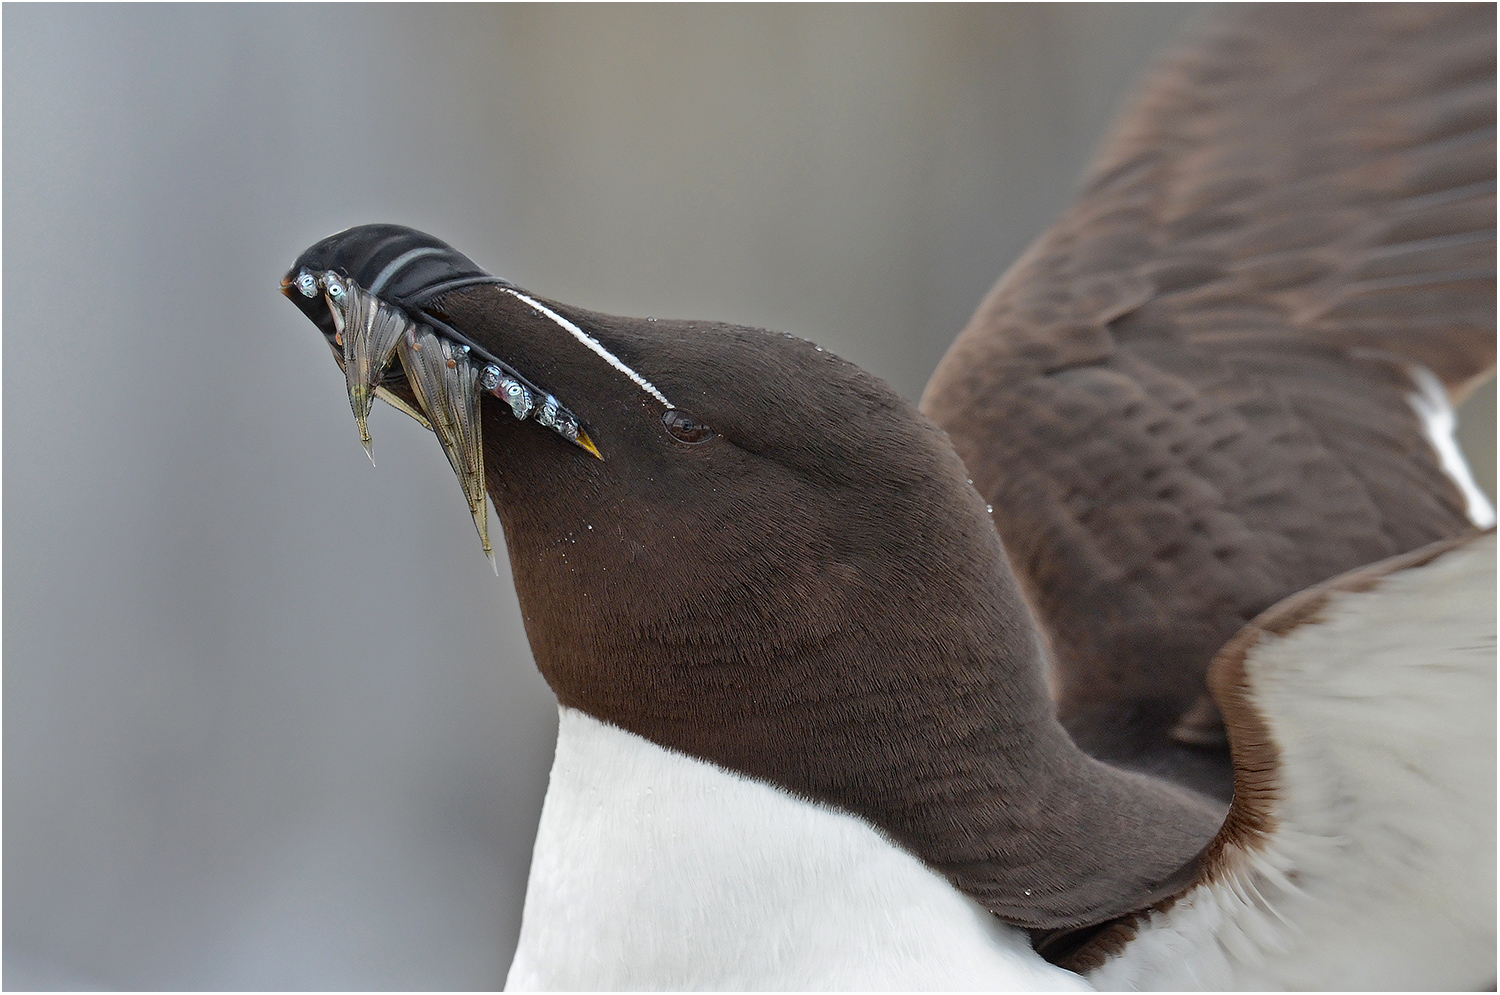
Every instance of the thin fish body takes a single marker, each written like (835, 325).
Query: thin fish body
(366, 331)
(461, 383)
(366, 326)
(384, 393)
(370, 339)
(445, 381)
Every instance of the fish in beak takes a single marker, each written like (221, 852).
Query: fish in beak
(365, 289)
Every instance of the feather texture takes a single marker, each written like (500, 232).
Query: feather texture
(1190, 398)
(1360, 849)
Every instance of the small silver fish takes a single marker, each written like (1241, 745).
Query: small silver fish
(369, 330)
(446, 374)
(446, 382)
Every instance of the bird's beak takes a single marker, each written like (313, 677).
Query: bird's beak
(446, 373)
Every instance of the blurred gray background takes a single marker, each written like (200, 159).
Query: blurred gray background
(269, 721)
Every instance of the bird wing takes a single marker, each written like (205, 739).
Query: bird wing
(1215, 380)
(1359, 851)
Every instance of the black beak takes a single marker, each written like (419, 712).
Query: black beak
(401, 265)
(379, 279)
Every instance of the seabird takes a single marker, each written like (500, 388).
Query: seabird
(854, 695)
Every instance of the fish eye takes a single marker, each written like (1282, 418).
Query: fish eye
(307, 284)
(685, 428)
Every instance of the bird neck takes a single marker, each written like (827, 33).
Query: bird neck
(914, 699)
(641, 847)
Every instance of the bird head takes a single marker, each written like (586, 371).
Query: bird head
(746, 509)
(739, 546)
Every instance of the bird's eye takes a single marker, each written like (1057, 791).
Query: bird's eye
(685, 428)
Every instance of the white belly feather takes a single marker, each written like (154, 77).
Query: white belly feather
(656, 870)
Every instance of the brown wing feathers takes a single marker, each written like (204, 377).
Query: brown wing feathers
(1190, 398)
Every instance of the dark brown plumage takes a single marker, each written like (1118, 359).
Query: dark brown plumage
(1189, 399)
(815, 598)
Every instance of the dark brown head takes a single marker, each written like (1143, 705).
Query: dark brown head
(777, 565)
(772, 536)
(760, 503)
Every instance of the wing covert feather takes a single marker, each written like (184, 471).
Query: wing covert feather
(1359, 850)
(1192, 396)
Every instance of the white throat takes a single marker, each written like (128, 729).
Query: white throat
(656, 870)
